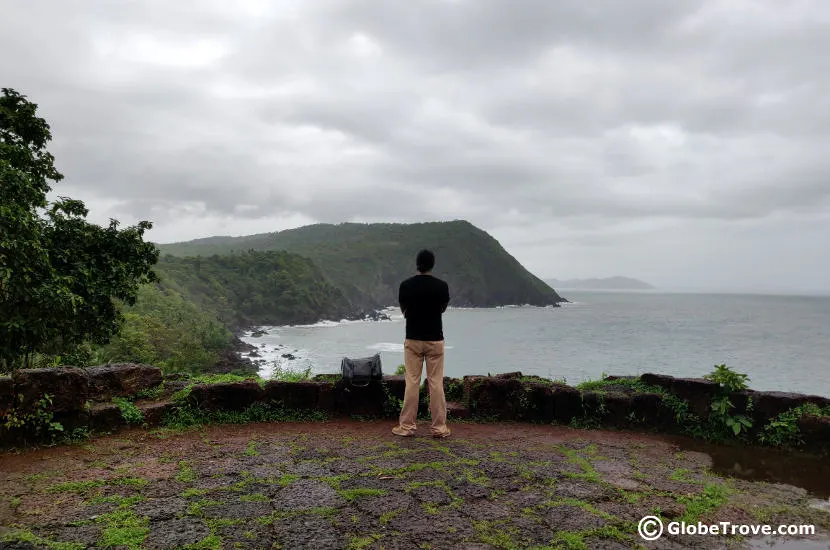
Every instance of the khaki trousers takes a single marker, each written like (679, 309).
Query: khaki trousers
(416, 352)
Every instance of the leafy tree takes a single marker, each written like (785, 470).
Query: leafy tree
(59, 274)
(166, 330)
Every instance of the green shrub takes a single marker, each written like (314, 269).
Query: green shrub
(723, 416)
(284, 373)
(783, 430)
(38, 424)
(166, 330)
(129, 411)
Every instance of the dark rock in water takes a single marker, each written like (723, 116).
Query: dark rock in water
(254, 353)
(258, 333)
(363, 315)
(288, 356)
(376, 316)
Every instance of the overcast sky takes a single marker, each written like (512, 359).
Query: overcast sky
(683, 142)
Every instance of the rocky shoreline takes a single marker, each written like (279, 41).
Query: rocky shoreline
(241, 357)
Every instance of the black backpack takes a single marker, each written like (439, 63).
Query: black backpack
(361, 372)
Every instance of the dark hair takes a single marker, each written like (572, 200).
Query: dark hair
(425, 261)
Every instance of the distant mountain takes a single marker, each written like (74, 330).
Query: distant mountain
(609, 283)
(367, 262)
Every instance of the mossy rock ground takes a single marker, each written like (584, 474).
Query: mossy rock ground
(354, 485)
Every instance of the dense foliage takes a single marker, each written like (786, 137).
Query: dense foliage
(59, 274)
(367, 262)
(263, 288)
(166, 330)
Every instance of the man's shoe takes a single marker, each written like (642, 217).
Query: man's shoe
(441, 435)
(397, 430)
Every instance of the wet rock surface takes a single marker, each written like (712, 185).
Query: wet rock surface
(6, 394)
(121, 380)
(354, 485)
(67, 386)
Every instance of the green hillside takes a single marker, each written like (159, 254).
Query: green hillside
(367, 262)
(255, 287)
(165, 329)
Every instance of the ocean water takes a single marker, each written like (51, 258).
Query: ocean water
(781, 342)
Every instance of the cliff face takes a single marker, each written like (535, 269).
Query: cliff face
(367, 262)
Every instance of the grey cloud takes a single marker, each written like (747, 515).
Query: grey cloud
(596, 115)
(463, 35)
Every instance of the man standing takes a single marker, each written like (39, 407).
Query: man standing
(423, 299)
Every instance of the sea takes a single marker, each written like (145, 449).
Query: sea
(781, 342)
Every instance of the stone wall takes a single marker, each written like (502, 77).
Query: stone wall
(82, 398)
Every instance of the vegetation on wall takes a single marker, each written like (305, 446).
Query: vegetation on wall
(726, 421)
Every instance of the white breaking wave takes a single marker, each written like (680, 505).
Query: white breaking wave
(264, 330)
(268, 356)
(329, 324)
(322, 324)
(390, 347)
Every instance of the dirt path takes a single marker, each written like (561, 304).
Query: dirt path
(354, 485)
